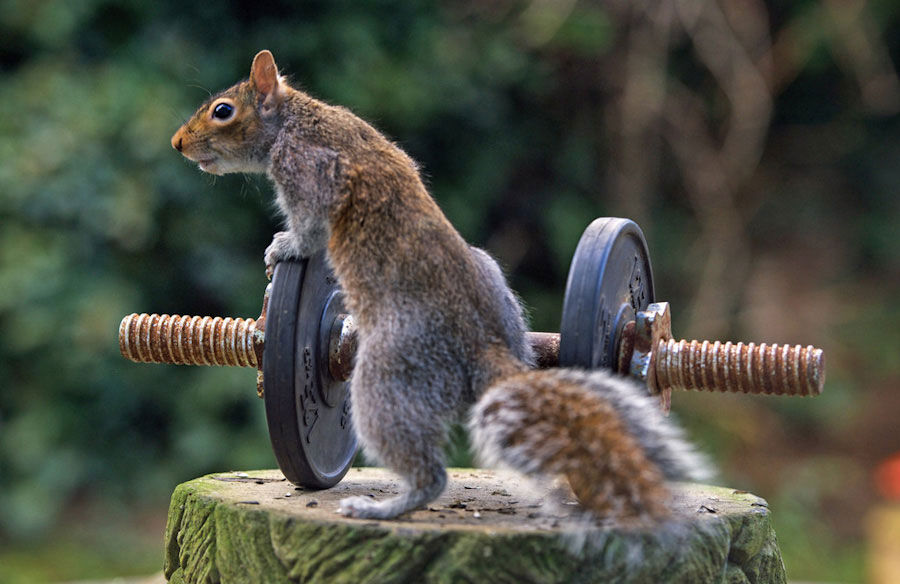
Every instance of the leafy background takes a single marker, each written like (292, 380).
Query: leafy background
(756, 143)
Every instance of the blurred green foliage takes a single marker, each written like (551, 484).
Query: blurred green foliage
(504, 106)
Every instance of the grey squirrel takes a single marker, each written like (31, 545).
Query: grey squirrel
(439, 328)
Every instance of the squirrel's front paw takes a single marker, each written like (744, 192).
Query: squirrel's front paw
(282, 248)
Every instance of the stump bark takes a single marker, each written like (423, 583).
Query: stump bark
(487, 527)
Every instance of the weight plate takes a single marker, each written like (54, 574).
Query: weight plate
(610, 280)
(308, 412)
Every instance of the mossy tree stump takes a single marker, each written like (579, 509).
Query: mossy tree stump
(487, 527)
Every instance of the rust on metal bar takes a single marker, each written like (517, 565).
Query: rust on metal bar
(546, 349)
(342, 347)
(188, 340)
(740, 368)
(645, 348)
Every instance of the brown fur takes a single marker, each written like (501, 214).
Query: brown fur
(581, 436)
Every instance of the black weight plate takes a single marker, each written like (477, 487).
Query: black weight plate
(308, 413)
(610, 280)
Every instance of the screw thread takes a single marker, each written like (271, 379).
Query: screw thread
(187, 340)
(740, 368)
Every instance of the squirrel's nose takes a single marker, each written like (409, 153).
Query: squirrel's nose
(176, 141)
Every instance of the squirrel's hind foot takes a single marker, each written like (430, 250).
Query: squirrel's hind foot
(367, 508)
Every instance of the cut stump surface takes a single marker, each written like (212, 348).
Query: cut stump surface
(488, 526)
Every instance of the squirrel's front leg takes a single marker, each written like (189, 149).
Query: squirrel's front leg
(308, 183)
(303, 240)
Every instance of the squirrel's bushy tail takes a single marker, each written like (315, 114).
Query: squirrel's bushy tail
(603, 432)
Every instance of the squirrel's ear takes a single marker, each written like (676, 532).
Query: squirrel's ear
(264, 79)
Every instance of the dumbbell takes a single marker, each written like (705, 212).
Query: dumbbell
(304, 341)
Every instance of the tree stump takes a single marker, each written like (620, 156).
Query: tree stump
(487, 527)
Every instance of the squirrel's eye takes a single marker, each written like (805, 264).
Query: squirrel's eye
(223, 111)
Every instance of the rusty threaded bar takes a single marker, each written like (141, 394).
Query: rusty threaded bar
(187, 340)
(740, 368)
(686, 365)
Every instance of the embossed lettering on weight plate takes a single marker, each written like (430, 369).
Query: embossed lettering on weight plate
(636, 290)
(308, 397)
(345, 413)
(605, 321)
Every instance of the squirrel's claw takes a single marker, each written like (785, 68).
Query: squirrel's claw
(283, 247)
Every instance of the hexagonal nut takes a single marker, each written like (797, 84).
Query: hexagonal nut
(650, 327)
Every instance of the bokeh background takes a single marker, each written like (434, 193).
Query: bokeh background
(756, 143)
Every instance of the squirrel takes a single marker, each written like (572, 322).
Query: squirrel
(440, 332)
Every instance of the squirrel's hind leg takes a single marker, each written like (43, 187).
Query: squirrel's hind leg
(401, 432)
(424, 480)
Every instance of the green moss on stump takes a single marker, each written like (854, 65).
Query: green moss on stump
(487, 527)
